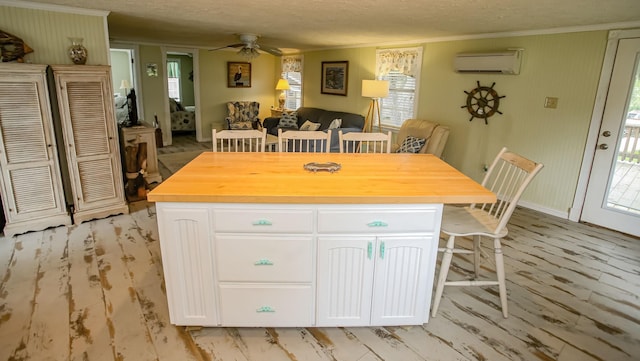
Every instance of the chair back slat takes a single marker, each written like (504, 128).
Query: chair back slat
(356, 142)
(507, 177)
(304, 141)
(239, 140)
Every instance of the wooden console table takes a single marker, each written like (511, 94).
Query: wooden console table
(276, 112)
(253, 239)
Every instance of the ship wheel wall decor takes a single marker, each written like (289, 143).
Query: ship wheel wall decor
(483, 102)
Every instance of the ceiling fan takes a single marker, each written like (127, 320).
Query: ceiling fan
(249, 47)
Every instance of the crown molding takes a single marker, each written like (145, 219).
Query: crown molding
(56, 8)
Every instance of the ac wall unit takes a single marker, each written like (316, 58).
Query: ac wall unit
(507, 62)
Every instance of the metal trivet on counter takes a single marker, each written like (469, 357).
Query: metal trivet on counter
(329, 167)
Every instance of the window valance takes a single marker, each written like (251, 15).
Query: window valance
(406, 61)
(291, 64)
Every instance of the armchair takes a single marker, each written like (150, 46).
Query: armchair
(434, 134)
(243, 115)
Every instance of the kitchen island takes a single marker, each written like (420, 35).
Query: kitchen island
(254, 239)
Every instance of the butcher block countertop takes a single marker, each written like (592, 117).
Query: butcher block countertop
(280, 178)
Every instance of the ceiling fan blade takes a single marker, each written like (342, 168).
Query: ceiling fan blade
(270, 50)
(229, 46)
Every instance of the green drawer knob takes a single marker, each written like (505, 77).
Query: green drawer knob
(262, 222)
(263, 262)
(264, 309)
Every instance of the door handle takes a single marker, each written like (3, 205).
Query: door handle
(603, 146)
(606, 133)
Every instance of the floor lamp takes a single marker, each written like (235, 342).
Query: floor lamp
(374, 89)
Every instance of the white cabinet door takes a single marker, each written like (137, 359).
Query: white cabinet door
(400, 291)
(367, 280)
(91, 140)
(30, 179)
(345, 280)
(187, 258)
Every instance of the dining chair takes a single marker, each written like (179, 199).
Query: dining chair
(311, 141)
(246, 140)
(357, 142)
(508, 177)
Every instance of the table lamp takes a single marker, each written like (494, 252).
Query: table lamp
(374, 89)
(282, 85)
(124, 84)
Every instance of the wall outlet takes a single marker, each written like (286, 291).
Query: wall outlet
(551, 102)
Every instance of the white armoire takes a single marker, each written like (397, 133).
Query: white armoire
(30, 182)
(90, 137)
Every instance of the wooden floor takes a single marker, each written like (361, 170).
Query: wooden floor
(95, 291)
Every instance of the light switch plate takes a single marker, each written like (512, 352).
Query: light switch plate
(551, 102)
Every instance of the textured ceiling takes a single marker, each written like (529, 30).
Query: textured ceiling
(317, 24)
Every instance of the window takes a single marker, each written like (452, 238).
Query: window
(399, 105)
(173, 78)
(401, 67)
(294, 94)
(292, 71)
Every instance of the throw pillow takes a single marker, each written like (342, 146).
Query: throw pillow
(289, 120)
(335, 124)
(411, 145)
(309, 125)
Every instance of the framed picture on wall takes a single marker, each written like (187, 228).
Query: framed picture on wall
(334, 77)
(238, 75)
(152, 69)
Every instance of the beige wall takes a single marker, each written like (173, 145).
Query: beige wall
(48, 33)
(362, 63)
(152, 87)
(214, 93)
(566, 66)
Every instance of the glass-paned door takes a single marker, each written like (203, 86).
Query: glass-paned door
(613, 193)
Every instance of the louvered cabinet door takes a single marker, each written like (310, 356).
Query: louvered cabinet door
(31, 185)
(91, 141)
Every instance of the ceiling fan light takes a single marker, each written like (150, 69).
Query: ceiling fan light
(249, 53)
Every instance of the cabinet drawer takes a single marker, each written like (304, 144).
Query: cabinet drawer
(266, 305)
(263, 221)
(264, 258)
(378, 221)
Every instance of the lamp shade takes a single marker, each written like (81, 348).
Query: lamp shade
(375, 88)
(124, 84)
(283, 84)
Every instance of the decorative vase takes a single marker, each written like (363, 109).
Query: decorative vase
(77, 51)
